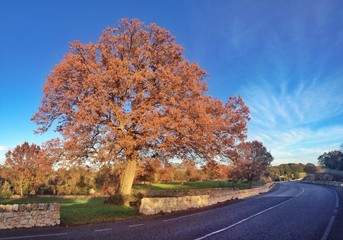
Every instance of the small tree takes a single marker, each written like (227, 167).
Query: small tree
(251, 161)
(193, 173)
(147, 172)
(167, 173)
(310, 168)
(211, 170)
(25, 166)
(332, 160)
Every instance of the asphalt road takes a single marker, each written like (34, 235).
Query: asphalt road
(290, 211)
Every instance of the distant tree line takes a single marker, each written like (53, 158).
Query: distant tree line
(332, 160)
(30, 170)
(287, 171)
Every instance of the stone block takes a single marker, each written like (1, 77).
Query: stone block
(21, 214)
(51, 207)
(8, 215)
(8, 208)
(34, 207)
(28, 207)
(24, 222)
(22, 207)
(41, 206)
(15, 207)
(32, 222)
(34, 214)
(47, 222)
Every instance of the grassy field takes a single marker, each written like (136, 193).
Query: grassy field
(194, 185)
(82, 211)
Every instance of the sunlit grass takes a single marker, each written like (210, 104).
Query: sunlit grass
(195, 185)
(302, 175)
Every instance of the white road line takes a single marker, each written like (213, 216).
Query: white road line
(278, 196)
(35, 236)
(332, 220)
(328, 228)
(136, 225)
(337, 200)
(252, 216)
(216, 209)
(102, 230)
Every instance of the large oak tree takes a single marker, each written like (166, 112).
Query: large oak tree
(132, 96)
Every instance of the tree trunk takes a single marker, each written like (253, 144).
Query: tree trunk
(250, 184)
(127, 177)
(21, 186)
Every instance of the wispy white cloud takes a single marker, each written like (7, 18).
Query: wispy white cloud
(299, 144)
(306, 103)
(296, 122)
(3, 148)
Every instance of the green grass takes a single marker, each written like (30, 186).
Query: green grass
(82, 211)
(194, 185)
(302, 175)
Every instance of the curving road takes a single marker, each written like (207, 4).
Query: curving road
(290, 211)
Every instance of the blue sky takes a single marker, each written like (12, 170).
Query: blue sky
(285, 58)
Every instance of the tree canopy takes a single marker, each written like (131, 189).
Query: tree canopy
(25, 166)
(133, 95)
(251, 161)
(332, 160)
(286, 171)
(310, 168)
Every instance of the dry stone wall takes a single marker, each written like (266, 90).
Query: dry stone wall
(151, 206)
(29, 215)
(154, 205)
(329, 183)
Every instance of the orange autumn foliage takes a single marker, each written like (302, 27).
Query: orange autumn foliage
(251, 160)
(25, 167)
(133, 95)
